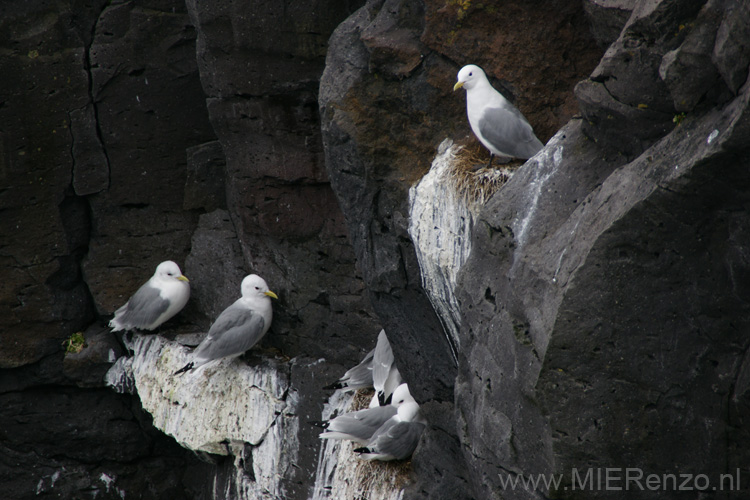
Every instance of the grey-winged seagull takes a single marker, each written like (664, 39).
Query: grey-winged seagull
(239, 327)
(360, 425)
(358, 377)
(497, 123)
(156, 301)
(397, 438)
(385, 375)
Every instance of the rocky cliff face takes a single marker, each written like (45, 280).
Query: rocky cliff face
(135, 132)
(608, 259)
(97, 112)
(589, 313)
(613, 328)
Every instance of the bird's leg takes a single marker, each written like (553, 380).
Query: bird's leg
(489, 164)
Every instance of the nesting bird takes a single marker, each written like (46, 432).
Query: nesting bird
(360, 425)
(156, 301)
(377, 369)
(497, 123)
(385, 375)
(390, 428)
(397, 438)
(358, 377)
(239, 327)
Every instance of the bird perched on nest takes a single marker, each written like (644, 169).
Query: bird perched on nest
(358, 377)
(377, 370)
(239, 327)
(385, 375)
(156, 301)
(397, 438)
(498, 124)
(360, 425)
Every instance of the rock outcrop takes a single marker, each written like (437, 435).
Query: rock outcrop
(609, 257)
(374, 155)
(113, 159)
(612, 332)
(245, 412)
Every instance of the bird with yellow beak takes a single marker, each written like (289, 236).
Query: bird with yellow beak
(498, 125)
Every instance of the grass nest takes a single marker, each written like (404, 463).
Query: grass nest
(375, 475)
(361, 399)
(472, 181)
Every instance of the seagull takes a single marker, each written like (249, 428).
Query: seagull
(360, 425)
(358, 377)
(156, 301)
(397, 438)
(239, 327)
(385, 374)
(498, 124)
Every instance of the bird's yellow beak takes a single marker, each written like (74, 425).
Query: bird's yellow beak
(182, 277)
(271, 294)
(457, 86)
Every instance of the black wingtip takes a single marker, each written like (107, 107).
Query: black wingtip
(319, 423)
(184, 369)
(334, 386)
(382, 400)
(364, 449)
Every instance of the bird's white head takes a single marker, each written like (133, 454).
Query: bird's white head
(407, 412)
(168, 270)
(401, 396)
(253, 286)
(469, 77)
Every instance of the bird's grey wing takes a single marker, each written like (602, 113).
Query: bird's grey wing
(143, 308)
(236, 330)
(394, 380)
(509, 132)
(381, 361)
(362, 424)
(361, 375)
(398, 440)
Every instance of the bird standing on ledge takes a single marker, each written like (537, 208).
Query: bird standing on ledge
(160, 298)
(239, 327)
(498, 124)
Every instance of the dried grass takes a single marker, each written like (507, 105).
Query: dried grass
(472, 181)
(378, 476)
(361, 399)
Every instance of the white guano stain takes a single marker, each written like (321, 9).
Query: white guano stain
(713, 135)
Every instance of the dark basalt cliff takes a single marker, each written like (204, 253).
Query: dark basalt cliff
(614, 332)
(134, 132)
(603, 305)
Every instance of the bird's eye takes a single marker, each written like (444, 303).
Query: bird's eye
(471, 74)
(257, 288)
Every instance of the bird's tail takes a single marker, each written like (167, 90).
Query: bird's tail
(184, 369)
(334, 386)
